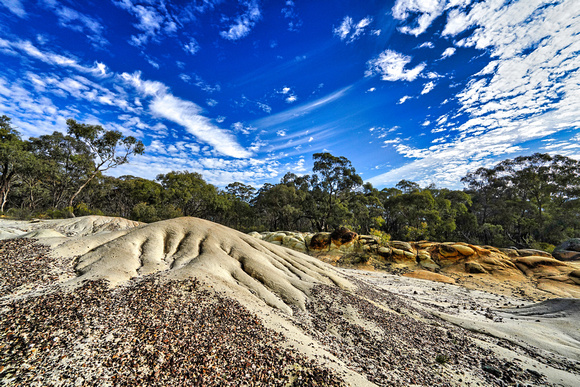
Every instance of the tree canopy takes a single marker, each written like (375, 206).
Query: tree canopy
(528, 201)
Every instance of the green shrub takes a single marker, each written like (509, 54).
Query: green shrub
(82, 209)
(383, 237)
(547, 247)
(442, 359)
(19, 213)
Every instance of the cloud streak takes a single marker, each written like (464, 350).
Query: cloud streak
(243, 23)
(188, 115)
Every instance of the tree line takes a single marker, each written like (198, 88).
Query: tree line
(529, 201)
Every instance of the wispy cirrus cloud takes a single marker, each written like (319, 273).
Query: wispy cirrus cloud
(72, 19)
(350, 31)
(162, 103)
(14, 6)
(152, 20)
(25, 47)
(391, 66)
(186, 114)
(299, 111)
(243, 24)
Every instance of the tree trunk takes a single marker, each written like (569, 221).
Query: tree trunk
(4, 198)
(70, 203)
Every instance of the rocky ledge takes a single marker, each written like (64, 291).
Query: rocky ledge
(534, 273)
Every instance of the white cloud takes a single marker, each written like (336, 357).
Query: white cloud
(162, 158)
(76, 21)
(199, 82)
(448, 52)
(301, 110)
(403, 99)
(245, 129)
(426, 45)
(186, 114)
(281, 133)
(48, 57)
(192, 47)
(428, 11)
(244, 23)
(153, 21)
(423, 12)
(350, 31)
(211, 102)
(391, 65)
(289, 12)
(15, 6)
(427, 87)
(290, 96)
(78, 87)
(371, 89)
(343, 30)
(264, 107)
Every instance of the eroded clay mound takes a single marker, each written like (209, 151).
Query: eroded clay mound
(72, 227)
(191, 247)
(87, 225)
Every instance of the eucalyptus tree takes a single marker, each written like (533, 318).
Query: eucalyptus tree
(191, 194)
(333, 180)
(526, 197)
(107, 149)
(12, 157)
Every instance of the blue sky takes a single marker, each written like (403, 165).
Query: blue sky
(247, 90)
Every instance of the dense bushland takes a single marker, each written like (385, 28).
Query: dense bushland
(529, 201)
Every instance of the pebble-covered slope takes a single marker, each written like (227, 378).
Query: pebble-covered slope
(149, 332)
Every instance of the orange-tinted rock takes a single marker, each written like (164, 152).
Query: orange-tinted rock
(533, 252)
(428, 275)
(401, 246)
(539, 266)
(448, 251)
(474, 268)
(342, 236)
(464, 249)
(320, 241)
(510, 252)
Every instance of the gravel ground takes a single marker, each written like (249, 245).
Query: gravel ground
(404, 346)
(25, 264)
(148, 332)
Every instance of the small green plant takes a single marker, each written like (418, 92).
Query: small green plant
(383, 237)
(442, 359)
(547, 247)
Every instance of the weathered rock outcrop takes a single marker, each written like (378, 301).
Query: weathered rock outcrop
(568, 251)
(449, 259)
